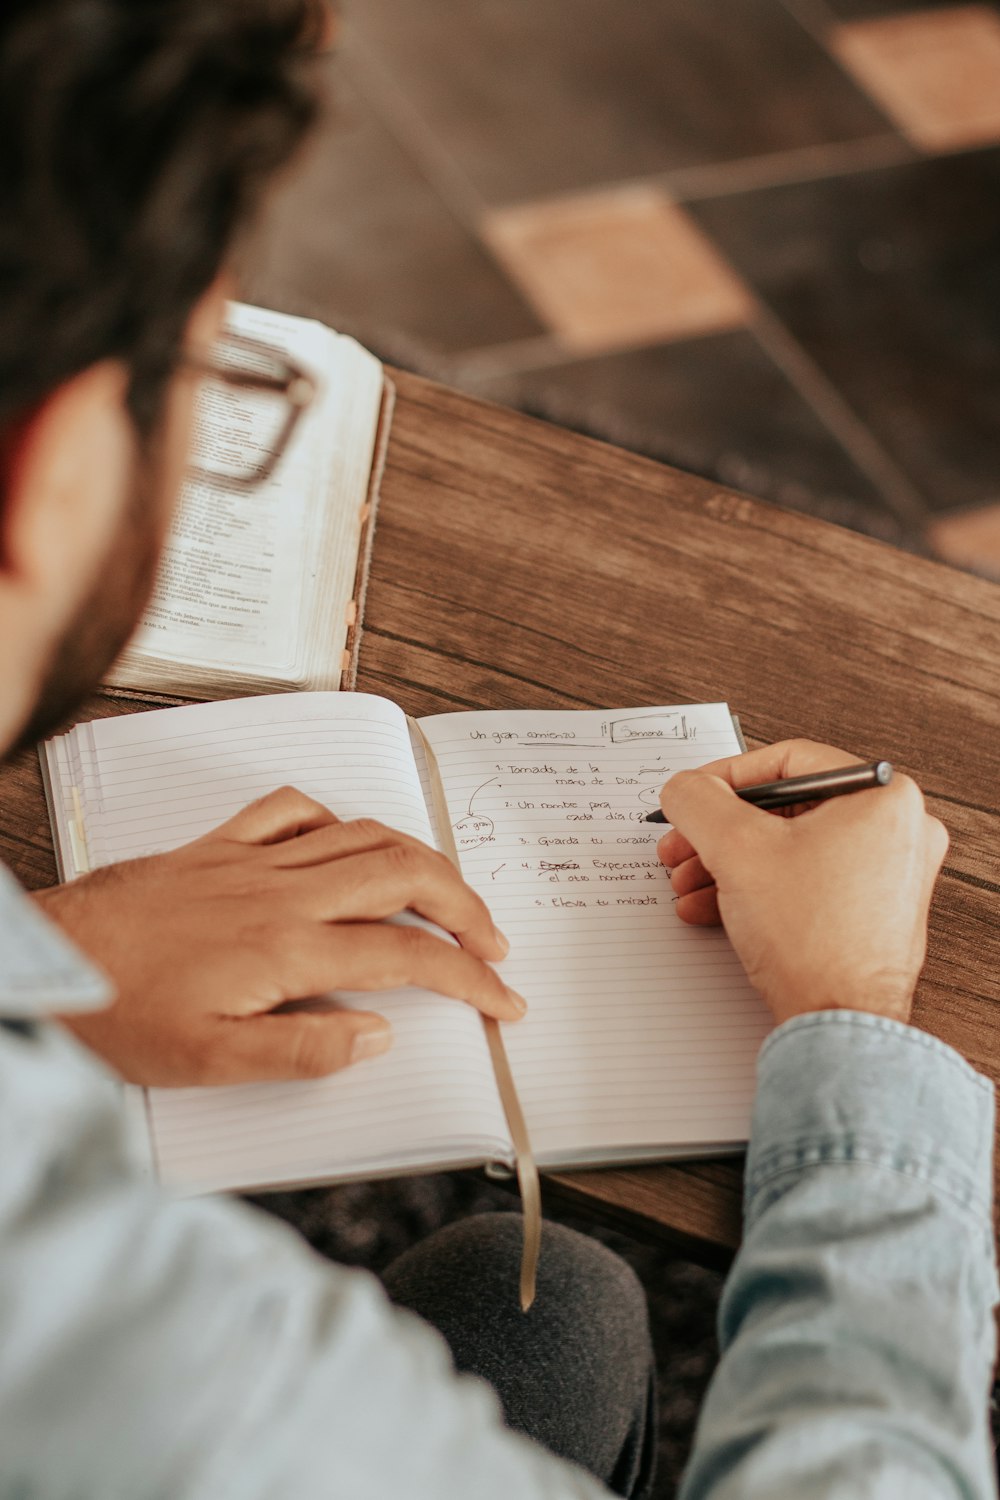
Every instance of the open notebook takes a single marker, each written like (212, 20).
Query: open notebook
(641, 1033)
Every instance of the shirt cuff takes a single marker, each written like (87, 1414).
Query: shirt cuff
(845, 1086)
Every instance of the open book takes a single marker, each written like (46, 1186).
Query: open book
(641, 1033)
(261, 588)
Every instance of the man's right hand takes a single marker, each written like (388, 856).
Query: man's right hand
(827, 909)
(281, 903)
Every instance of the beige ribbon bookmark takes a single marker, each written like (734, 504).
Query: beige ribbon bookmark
(527, 1171)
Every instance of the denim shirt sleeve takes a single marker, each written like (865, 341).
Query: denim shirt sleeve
(856, 1326)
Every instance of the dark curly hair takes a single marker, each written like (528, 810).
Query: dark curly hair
(135, 139)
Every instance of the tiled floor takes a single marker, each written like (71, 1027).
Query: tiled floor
(757, 238)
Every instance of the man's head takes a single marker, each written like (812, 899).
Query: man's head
(136, 137)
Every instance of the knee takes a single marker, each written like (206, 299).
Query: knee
(575, 1371)
(574, 1271)
(586, 1294)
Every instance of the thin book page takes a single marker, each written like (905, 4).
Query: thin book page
(641, 1033)
(346, 481)
(153, 781)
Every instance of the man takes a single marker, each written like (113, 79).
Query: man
(159, 1348)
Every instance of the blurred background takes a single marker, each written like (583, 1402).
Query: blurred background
(759, 239)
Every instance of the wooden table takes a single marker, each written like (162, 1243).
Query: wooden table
(517, 565)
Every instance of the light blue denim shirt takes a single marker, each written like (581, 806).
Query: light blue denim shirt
(153, 1349)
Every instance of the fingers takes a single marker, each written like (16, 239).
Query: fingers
(706, 814)
(386, 956)
(406, 877)
(690, 876)
(701, 908)
(776, 762)
(388, 873)
(306, 1045)
(282, 814)
(673, 849)
(696, 892)
(710, 817)
(335, 840)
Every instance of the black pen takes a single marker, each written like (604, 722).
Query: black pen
(815, 788)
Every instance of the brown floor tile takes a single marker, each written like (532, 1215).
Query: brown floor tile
(359, 239)
(716, 406)
(890, 281)
(528, 98)
(970, 540)
(614, 269)
(935, 72)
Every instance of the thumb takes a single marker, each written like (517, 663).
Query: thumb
(707, 812)
(306, 1044)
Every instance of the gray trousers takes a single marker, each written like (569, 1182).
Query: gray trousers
(576, 1371)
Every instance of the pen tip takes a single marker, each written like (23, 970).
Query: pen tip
(883, 773)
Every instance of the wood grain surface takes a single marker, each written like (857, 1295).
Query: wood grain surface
(519, 565)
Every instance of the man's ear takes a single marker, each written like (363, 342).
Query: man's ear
(66, 481)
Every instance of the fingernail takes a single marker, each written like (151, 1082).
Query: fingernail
(502, 940)
(518, 1002)
(371, 1043)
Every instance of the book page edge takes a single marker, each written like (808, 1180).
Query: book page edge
(352, 648)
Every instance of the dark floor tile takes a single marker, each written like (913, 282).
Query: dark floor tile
(717, 406)
(358, 239)
(891, 282)
(531, 97)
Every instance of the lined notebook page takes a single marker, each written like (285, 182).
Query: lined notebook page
(149, 782)
(641, 1032)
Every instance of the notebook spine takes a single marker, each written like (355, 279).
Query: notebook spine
(525, 1166)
